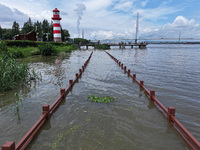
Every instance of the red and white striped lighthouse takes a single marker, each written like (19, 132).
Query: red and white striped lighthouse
(56, 25)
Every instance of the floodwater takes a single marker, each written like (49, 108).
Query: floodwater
(130, 121)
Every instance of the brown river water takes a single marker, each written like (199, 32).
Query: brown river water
(130, 121)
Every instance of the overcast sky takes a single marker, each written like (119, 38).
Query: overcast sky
(107, 19)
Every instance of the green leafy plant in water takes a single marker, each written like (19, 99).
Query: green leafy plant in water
(96, 99)
(17, 106)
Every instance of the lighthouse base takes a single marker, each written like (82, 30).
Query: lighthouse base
(57, 39)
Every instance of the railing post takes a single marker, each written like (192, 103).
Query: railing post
(119, 63)
(122, 65)
(8, 146)
(70, 82)
(80, 71)
(83, 68)
(134, 76)
(171, 112)
(77, 75)
(62, 91)
(129, 71)
(141, 84)
(45, 110)
(124, 68)
(152, 93)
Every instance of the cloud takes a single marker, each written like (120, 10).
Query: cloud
(123, 5)
(187, 28)
(144, 3)
(157, 13)
(8, 16)
(181, 23)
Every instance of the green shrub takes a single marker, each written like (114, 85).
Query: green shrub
(21, 43)
(17, 53)
(67, 49)
(103, 46)
(81, 41)
(47, 49)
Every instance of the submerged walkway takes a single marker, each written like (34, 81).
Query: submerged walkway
(122, 121)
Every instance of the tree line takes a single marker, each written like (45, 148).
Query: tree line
(42, 29)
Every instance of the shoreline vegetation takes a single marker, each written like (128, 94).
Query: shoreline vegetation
(23, 49)
(12, 72)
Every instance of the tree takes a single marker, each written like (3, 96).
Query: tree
(15, 28)
(51, 31)
(38, 27)
(1, 32)
(7, 34)
(28, 27)
(65, 35)
(45, 29)
(81, 41)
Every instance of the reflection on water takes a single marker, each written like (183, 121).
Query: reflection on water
(130, 122)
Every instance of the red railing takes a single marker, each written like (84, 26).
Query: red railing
(168, 113)
(47, 112)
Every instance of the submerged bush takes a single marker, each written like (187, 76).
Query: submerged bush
(11, 72)
(47, 49)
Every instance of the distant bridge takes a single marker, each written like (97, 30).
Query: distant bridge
(121, 45)
(143, 39)
(131, 42)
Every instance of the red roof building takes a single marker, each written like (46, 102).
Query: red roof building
(31, 36)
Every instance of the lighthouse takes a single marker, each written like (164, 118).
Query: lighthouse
(56, 25)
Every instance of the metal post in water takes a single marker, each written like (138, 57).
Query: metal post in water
(171, 112)
(141, 83)
(152, 93)
(45, 109)
(8, 146)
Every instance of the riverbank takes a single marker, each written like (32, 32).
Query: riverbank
(13, 72)
(26, 49)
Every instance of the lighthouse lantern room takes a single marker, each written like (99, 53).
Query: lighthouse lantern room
(56, 25)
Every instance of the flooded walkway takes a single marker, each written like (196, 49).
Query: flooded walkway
(129, 122)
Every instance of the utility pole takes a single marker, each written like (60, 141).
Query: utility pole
(137, 24)
(179, 36)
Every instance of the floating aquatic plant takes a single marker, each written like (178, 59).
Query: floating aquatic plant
(96, 99)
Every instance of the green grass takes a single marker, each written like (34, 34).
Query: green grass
(24, 52)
